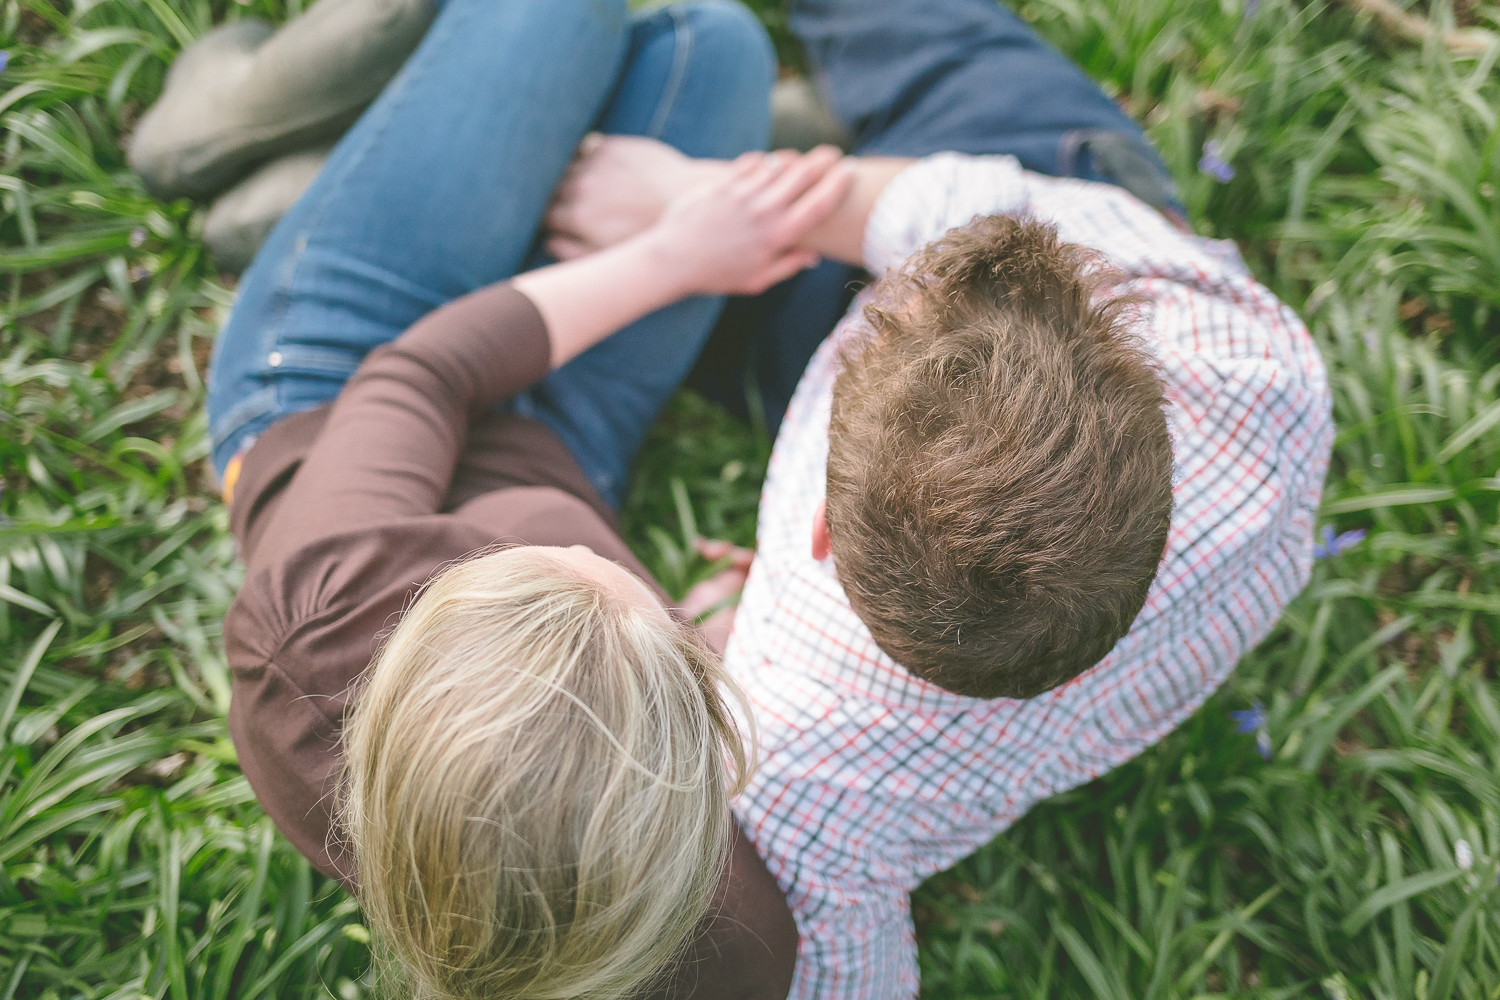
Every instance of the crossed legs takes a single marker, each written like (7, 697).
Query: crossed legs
(438, 189)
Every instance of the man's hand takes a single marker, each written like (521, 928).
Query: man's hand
(738, 233)
(713, 600)
(617, 187)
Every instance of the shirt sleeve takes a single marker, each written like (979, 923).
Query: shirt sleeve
(865, 950)
(393, 437)
(948, 190)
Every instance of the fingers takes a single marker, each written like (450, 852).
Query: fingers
(560, 217)
(754, 173)
(714, 549)
(789, 191)
(563, 210)
(799, 174)
(590, 144)
(750, 166)
(779, 270)
(567, 247)
(714, 592)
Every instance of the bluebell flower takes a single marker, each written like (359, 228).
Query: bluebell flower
(1248, 720)
(1213, 164)
(4, 60)
(1333, 544)
(1253, 720)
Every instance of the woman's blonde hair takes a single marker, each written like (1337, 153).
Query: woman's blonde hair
(536, 786)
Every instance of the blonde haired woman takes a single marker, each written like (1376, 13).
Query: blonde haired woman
(529, 789)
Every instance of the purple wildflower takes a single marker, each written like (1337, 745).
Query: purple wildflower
(4, 60)
(1249, 9)
(1213, 163)
(1333, 544)
(1253, 720)
(1248, 720)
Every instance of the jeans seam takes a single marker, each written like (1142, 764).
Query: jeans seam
(402, 85)
(276, 323)
(682, 52)
(254, 405)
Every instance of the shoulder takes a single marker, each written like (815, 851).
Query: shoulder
(335, 582)
(934, 195)
(747, 944)
(298, 636)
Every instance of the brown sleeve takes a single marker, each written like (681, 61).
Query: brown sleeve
(393, 437)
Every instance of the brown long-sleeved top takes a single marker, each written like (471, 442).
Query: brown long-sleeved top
(344, 511)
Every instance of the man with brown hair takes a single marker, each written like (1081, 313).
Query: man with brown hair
(999, 468)
(1042, 487)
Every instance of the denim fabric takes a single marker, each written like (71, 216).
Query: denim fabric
(914, 77)
(911, 78)
(439, 189)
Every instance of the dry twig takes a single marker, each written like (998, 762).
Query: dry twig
(1460, 41)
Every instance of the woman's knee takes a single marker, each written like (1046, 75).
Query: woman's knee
(725, 69)
(725, 33)
(698, 76)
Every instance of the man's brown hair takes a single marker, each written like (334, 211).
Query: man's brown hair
(999, 466)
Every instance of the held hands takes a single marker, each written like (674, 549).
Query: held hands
(727, 227)
(616, 188)
(738, 233)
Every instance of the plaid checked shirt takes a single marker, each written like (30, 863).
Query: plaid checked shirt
(871, 779)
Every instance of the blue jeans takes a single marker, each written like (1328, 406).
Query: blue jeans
(910, 78)
(439, 189)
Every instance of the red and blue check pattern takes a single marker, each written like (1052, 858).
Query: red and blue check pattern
(871, 779)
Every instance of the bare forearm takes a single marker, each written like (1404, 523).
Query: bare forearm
(585, 300)
(842, 235)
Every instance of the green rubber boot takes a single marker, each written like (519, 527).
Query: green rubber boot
(244, 216)
(799, 118)
(245, 93)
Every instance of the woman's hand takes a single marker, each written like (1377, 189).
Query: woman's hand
(737, 233)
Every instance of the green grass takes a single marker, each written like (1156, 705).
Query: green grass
(1360, 860)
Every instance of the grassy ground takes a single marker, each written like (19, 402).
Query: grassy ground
(1357, 858)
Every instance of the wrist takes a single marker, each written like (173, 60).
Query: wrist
(700, 171)
(667, 264)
